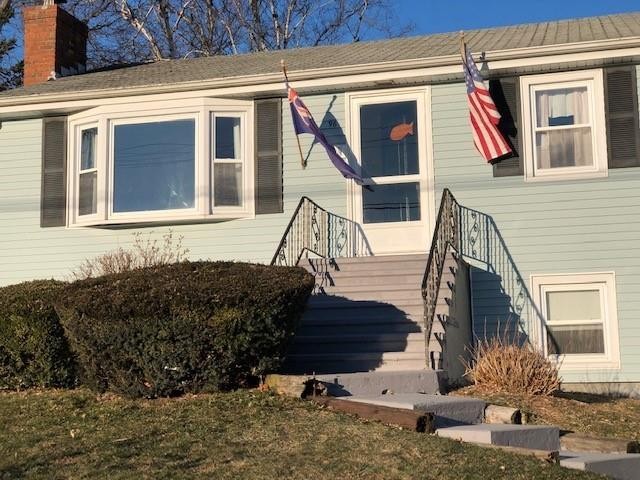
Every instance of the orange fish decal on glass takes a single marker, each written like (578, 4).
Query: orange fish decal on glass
(400, 131)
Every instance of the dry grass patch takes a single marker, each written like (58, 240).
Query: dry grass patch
(594, 415)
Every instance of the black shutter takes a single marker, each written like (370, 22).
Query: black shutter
(53, 199)
(269, 156)
(506, 95)
(622, 117)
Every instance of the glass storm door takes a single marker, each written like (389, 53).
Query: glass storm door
(390, 142)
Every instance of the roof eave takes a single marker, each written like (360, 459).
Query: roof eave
(324, 73)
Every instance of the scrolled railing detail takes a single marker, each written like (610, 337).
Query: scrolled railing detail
(315, 231)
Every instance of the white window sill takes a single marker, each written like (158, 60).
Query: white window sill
(564, 176)
(167, 220)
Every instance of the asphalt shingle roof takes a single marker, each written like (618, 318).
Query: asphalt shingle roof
(171, 72)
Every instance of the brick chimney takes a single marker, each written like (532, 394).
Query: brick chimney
(55, 43)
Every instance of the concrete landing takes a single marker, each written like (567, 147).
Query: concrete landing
(377, 383)
(448, 410)
(537, 437)
(621, 466)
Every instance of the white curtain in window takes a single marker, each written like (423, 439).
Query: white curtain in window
(566, 147)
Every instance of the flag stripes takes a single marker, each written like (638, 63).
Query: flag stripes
(483, 113)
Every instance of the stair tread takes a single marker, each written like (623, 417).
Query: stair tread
(371, 259)
(412, 336)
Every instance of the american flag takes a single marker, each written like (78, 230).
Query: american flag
(483, 114)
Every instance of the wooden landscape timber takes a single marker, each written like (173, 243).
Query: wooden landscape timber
(410, 419)
(577, 442)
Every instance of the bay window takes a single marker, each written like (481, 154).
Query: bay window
(183, 162)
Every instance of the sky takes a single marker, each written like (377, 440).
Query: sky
(437, 16)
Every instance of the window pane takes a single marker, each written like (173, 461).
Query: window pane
(564, 148)
(391, 203)
(389, 139)
(573, 305)
(88, 201)
(88, 148)
(154, 166)
(571, 339)
(227, 184)
(565, 106)
(227, 137)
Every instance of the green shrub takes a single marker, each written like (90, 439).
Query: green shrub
(33, 348)
(185, 327)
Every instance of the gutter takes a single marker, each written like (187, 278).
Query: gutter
(439, 64)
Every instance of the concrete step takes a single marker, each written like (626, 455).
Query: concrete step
(374, 343)
(337, 302)
(392, 297)
(363, 326)
(340, 279)
(621, 466)
(447, 410)
(406, 263)
(376, 383)
(345, 309)
(353, 362)
(377, 259)
(537, 437)
(343, 289)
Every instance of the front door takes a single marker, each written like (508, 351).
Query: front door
(389, 136)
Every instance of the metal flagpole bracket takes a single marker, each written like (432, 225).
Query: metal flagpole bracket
(283, 65)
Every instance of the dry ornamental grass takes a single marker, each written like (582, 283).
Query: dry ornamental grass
(499, 366)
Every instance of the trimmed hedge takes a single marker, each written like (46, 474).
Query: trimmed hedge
(33, 348)
(185, 327)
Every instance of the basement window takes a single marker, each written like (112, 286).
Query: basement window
(580, 322)
(182, 163)
(565, 128)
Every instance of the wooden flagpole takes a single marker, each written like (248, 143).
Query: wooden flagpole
(286, 77)
(462, 49)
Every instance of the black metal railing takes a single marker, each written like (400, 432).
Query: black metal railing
(476, 239)
(315, 231)
(445, 235)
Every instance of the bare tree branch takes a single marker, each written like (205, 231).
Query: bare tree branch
(129, 16)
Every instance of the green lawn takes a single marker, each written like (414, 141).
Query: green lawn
(241, 435)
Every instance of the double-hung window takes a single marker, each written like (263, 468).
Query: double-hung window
(184, 161)
(88, 171)
(564, 125)
(580, 326)
(228, 160)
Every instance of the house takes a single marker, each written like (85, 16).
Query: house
(542, 245)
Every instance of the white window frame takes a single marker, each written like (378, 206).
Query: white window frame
(79, 171)
(202, 111)
(605, 283)
(167, 214)
(382, 234)
(593, 81)
(242, 160)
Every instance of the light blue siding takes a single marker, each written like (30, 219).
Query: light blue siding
(28, 251)
(551, 227)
